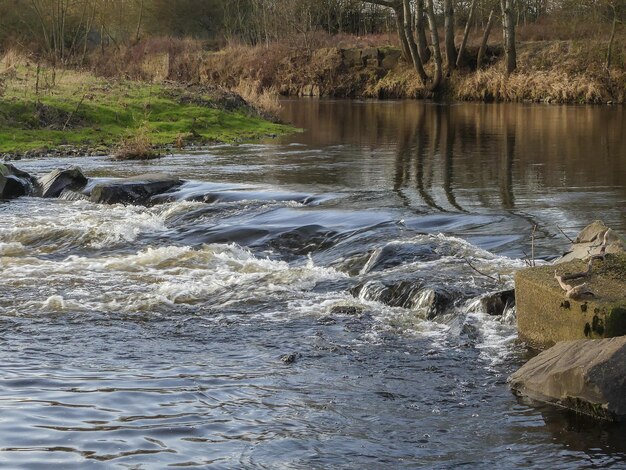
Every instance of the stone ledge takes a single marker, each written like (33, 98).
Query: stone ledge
(545, 316)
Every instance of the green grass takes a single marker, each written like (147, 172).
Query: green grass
(113, 111)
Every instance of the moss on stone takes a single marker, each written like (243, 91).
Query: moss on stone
(545, 316)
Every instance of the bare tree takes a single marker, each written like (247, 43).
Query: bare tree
(448, 13)
(483, 43)
(434, 37)
(468, 26)
(420, 29)
(408, 31)
(609, 52)
(508, 29)
(404, 18)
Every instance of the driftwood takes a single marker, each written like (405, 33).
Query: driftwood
(574, 292)
(498, 280)
(582, 291)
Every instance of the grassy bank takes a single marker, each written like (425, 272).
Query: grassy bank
(43, 109)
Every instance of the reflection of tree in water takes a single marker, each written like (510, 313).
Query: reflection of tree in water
(468, 156)
(447, 152)
(506, 168)
(438, 140)
(412, 143)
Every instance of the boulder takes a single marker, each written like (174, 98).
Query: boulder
(496, 303)
(54, 183)
(409, 294)
(546, 316)
(351, 57)
(589, 243)
(134, 190)
(15, 183)
(587, 376)
(391, 58)
(370, 57)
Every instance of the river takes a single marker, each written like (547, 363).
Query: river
(305, 302)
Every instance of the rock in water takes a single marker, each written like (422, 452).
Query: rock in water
(53, 184)
(587, 376)
(496, 304)
(135, 190)
(15, 183)
(589, 243)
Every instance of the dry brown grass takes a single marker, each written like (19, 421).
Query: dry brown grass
(265, 100)
(153, 59)
(136, 147)
(551, 86)
(564, 71)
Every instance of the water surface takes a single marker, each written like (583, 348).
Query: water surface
(148, 337)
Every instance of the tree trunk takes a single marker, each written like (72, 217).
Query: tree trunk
(434, 37)
(483, 43)
(404, 45)
(609, 52)
(408, 32)
(420, 29)
(508, 29)
(448, 7)
(468, 26)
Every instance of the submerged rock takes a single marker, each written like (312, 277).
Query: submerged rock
(71, 195)
(55, 182)
(407, 294)
(290, 358)
(134, 190)
(346, 310)
(397, 254)
(587, 376)
(15, 183)
(495, 304)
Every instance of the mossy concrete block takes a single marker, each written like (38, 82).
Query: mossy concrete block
(545, 316)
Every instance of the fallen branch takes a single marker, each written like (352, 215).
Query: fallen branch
(69, 118)
(498, 280)
(574, 292)
(565, 235)
(532, 246)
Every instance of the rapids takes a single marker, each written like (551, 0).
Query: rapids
(148, 337)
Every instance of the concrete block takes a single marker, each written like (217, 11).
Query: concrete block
(545, 316)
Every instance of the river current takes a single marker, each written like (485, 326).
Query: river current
(312, 301)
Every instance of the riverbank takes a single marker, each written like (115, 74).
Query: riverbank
(45, 111)
(566, 71)
(571, 71)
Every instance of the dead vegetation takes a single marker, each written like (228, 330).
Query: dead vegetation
(136, 147)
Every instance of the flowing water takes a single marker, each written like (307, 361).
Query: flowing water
(305, 302)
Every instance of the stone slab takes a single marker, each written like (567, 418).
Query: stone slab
(586, 376)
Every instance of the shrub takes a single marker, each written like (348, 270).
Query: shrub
(137, 146)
